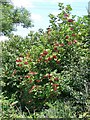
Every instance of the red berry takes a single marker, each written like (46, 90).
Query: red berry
(33, 73)
(61, 44)
(55, 85)
(54, 56)
(70, 43)
(71, 28)
(40, 58)
(25, 63)
(19, 60)
(45, 52)
(49, 58)
(46, 60)
(54, 88)
(56, 79)
(42, 55)
(20, 65)
(55, 48)
(74, 41)
(73, 35)
(56, 44)
(57, 61)
(38, 81)
(27, 76)
(66, 15)
(51, 81)
(70, 20)
(49, 76)
(45, 76)
(67, 37)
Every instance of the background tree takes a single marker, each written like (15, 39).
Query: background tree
(12, 17)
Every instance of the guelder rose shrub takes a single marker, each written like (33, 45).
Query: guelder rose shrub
(54, 64)
(11, 49)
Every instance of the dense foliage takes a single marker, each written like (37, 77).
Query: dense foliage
(12, 17)
(49, 66)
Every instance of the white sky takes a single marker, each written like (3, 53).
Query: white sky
(40, 9)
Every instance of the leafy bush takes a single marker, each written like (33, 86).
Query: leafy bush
(45, 66)
(59, 109)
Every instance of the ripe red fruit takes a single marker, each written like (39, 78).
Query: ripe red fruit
(25, 63)
(61, 44)
(70, 43)
(71, 28)
(33, 73)
(42, 55)
(73, 35)
(54, 88)
(40, 58)
(49, 58)
(38, 81)
(27, 76)
(67, 37)
(55, 85)
(45, 76)
(54, 56)
(20, 65)
(57, 61)
(49, 76)
(45, 52)
(19, 60)
(74, 41)
(46, 60)
(51, 81)
(56, 79)
(56, 44)
(66, 15)
(55, 48)
(70, 20)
